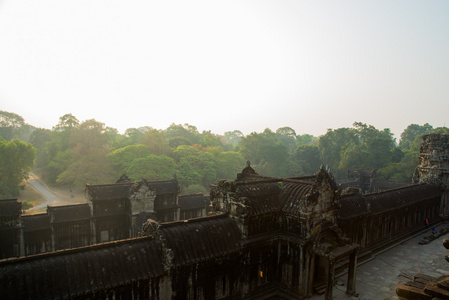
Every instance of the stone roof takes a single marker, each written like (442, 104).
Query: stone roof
(294, 194)
(354, 205)
(192, 201)
(396, 198)
(74, 272)
(108, 191)
(201, 239)
(36, 222)
(164, 187)
(123, 188)
(10, 208)
(69, 213)
(261, 198)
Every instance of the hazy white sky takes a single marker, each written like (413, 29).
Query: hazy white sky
(226, 65)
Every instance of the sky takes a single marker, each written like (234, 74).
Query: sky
(227, 65)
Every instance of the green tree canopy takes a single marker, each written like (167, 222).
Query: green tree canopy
(155, 141)
(13, 126)
(16, 160)
(195, 165)
(233, 137)
(88, 162)
(151, 167)
(189, 134)
(40, 139)
(265, 152)
(411, 132)
(67, 122)
(229, 164)
(287, 136)
(333, 144)
(305, 160)
(122, 158)
(91, 168)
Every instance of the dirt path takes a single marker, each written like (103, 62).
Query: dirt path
(52, 196)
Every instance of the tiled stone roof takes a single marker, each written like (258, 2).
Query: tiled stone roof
(74, 272)
(36, 222)
(192, 201)
(10, 207)
(393, 199)
(108, 191)
(354, 205)
(69, 213)
(201, 239)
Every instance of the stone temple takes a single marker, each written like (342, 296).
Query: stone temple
(265, 238)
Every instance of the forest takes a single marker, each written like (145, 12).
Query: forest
(74, 153)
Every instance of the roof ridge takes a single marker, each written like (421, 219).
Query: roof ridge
(193, 220)
(397, 189)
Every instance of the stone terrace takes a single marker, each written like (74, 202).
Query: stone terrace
(377, 278)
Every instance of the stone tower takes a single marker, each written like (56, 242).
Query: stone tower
(433, 166)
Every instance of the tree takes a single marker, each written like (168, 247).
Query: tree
(265, 152)
(440, 130)
(58, 164)
(40, 138)
(122, 158)
(401, 171)
(189, 134)
(26, 206)
(133, 135)
(306, 139)
(229, 164)
(376, 144)
(88, 137)
(287, 136)
(362, 146)
(411, 132)
(305, 160)
(155, 141)
(91, 168)
(333, 144)
(210, 140)
(177, 141)
(88, 162)
(13, 126)
(195, 166)
(233, 137)
(16, 160)
(151, 167)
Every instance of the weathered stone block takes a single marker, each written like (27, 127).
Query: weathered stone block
(411, 293)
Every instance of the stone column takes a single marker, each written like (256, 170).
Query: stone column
(352, 274)
(21, 242)
(301, 272)
(93, 231)
(330, 279)
(311, 274)
(53, 244)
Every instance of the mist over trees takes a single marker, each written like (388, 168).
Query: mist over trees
(76, 153)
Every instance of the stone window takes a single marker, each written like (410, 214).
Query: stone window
(221, 286)
(104, 236)
(262, 276)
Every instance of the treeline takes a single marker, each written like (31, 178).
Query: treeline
(76, 153)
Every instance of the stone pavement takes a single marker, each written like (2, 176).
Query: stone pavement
(378, 277)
